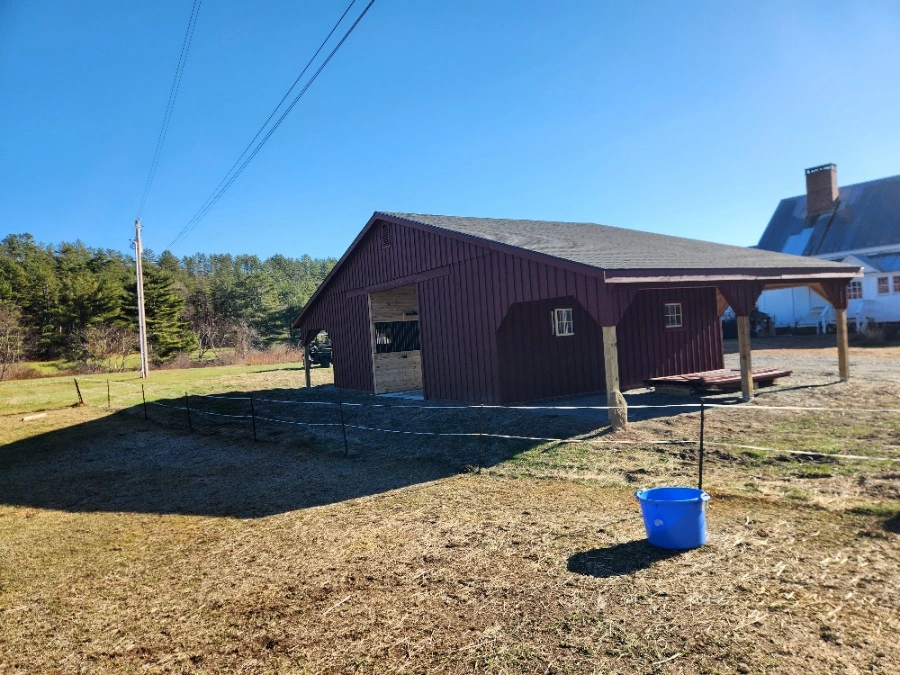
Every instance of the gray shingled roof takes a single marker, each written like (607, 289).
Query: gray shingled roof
(615, 248)
(867, 217)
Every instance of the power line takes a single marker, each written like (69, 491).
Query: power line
(275, 109)
(170, 105)
(226, 182)
(233, 174)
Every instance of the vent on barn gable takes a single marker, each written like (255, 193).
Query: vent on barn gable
(385, 235)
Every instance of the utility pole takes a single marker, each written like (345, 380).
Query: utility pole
(142, 317)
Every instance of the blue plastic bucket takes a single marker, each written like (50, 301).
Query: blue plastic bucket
(675, 517)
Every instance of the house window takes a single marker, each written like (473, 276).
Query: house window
(673, 315)
(562, 322)
(883, 286)
(854, 290)
(897, 283)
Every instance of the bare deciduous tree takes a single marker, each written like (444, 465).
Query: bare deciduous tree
(12, 338)
(245, 338)
(103, 347)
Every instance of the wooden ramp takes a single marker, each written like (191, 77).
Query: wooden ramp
(714, 380)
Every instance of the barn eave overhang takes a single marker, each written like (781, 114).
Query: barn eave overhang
(767, 276)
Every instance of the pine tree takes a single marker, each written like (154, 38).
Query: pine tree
(167, 332)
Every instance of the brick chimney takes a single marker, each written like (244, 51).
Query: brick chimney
(821, 189)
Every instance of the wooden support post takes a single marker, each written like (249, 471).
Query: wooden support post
(743, 326)
(843, 345)
(618, 409)
(306, 364)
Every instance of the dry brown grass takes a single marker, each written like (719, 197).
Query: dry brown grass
(131, 547)
(467, 573)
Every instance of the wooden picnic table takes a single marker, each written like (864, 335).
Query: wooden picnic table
(724, 379)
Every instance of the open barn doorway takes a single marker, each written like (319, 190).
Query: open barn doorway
(396, 350)
(320, 350)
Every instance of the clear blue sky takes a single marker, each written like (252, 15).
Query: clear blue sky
(686, 118)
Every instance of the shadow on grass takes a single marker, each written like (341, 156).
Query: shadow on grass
(893, 524)
(762, 391)
(123, 463)
(250, 454)
(231, 456)
(618, 560)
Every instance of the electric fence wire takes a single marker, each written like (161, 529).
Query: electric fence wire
(170, 105)
(233, 174)
(570, 440)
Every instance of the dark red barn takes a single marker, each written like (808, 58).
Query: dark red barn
(497, 311)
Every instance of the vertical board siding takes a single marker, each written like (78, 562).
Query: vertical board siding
(742, 297)
(485, 323)
(648, 349)
(535, 364)
(346, 319)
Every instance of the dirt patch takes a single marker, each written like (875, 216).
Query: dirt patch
(815, 345)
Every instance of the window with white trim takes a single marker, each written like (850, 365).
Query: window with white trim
(897, 283)
(883, 288)
(562, 322)
(854, 290)
(673, 315)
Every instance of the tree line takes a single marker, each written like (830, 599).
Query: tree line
(76, 302)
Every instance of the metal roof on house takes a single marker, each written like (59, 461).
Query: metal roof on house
(867, 216)
(615, 248)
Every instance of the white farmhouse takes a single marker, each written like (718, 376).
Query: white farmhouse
(855, 224)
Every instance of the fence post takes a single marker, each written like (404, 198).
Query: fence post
(702, 425)
(144, 398)
(78, 389)
(253, 416)
(108, 398)
(480, 436)
(343, 428)
(187, 406)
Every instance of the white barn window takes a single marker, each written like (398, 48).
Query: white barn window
(562, 322)
(854, 290)
(673, 315)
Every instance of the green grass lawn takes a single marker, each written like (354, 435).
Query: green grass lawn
(27, 396)
(132, 362)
